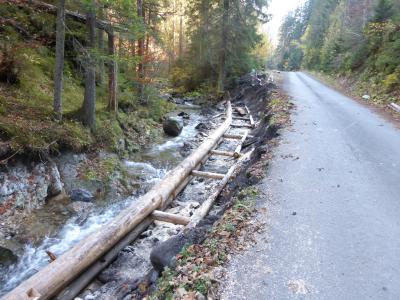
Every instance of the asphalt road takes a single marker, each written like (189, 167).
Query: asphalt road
(332, 195)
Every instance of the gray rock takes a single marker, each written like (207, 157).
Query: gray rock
(55, 187)
(7, 257)
(81, 209)
(172, 127)
(366, 97)
(202, 127)
(121, 145)
(184, 115)
(81, 195)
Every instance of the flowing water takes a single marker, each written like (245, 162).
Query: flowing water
(152, 166)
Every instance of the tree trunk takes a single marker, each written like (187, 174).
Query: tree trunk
(100, 45)
(180, 37)
(140, 12)
(112, 75)
(59, 67)
(89, 102)
(224, 40)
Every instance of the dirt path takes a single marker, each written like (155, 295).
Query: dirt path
(332, 206)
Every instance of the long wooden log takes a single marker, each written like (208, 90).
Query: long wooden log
(79, 283)
(170, 218)
(85, 278)
(52, 278)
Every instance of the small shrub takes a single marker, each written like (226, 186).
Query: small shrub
(391, 82)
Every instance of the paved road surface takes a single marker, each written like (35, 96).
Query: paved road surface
(333, 229)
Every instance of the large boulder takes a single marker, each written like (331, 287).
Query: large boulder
(172, 127)
(7, 257)
(81, 195)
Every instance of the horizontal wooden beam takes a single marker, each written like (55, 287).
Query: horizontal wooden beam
(233, 136)
(170, 218)
(241, 118)
(208, 175)
(242, 125)
(223, 153)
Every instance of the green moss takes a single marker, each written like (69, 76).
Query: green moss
(102, 169)
(202, 286)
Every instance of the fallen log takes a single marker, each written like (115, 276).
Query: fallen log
(56, 275)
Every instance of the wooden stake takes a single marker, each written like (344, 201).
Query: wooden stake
(252, 122)
(239, 147)
(241, 125)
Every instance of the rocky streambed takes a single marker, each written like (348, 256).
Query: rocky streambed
(47, 207)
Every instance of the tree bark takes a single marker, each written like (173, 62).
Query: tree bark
(89, 102)
(59, 67)
(140, 12)
(180, 54)
(112, 75)
(224, 41)
(100, 45)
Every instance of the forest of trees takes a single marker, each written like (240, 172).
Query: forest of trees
(97, 62)
(344, 37)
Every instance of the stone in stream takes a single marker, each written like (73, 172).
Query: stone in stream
(184, 115)
(202, 127)
(172, 127)
(81, 195)
(81, 209)
(7, 257)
